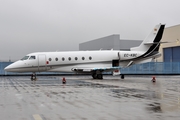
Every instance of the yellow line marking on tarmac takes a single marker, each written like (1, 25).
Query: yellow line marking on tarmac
(37, 117)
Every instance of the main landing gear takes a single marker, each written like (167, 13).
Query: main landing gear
(33, 77)
(97, 76)
(100, 76)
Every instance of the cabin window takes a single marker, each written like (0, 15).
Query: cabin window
(69, 58)
(83, 58)
(63, 58)
(25, 58)
(76, 58)
(32, 58)
(56, 59)
(50, 59)
(90, 58)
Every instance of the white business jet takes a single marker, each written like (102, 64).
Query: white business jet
(94, 62)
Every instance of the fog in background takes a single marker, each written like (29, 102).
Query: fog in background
(28, 26)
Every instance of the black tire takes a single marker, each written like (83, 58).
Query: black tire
(100, 76)
(122, 76)
(94, 75)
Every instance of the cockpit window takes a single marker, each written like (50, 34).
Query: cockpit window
(32, 58)
(25, 58)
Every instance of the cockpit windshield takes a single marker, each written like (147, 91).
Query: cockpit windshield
(32, 58)
(25, 58)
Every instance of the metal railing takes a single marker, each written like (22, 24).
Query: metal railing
(146, 68)
(153, 68)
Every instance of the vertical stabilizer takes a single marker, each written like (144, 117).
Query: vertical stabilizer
(152, 41)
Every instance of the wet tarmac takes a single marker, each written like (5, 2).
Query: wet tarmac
(82, 98)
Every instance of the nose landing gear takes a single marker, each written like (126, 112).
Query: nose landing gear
(33, 77)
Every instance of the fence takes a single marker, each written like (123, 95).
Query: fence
(146, 68)
(153, 68)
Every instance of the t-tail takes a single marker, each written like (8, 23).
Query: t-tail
(150, 46)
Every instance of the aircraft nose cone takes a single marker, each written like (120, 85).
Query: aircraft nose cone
(13, 67)
(10, 68)
(7, 68)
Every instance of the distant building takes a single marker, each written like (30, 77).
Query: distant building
(170, 51)
(109, 42)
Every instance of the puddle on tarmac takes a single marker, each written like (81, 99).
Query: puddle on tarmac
(154, 107)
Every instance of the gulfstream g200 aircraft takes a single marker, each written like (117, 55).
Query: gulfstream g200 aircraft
(94, 62)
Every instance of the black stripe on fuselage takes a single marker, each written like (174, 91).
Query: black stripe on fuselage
(155, 47)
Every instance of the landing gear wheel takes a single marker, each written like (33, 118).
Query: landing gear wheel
(33, 77)
(122, 76)
(99, 76)
(94, 75)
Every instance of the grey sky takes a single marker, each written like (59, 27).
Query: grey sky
(28, 26)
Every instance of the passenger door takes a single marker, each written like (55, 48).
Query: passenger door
(115, 63)
(42, 63)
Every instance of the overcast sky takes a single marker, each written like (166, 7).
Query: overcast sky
(28, 26)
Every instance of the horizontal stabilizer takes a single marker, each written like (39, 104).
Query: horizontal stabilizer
(154, 43)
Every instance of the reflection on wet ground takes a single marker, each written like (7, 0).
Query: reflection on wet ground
(84, 98)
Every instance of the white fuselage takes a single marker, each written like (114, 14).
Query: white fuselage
(95, 62)
(66, 61)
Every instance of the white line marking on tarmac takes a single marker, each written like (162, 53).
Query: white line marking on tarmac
(37, 117)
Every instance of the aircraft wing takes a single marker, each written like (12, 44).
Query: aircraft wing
(101, 69)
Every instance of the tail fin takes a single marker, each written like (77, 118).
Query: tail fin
(152, 42)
